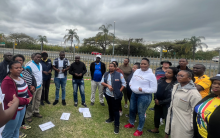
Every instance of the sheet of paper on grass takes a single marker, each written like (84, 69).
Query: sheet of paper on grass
(86, 114)
(65, 116)
(81, 110)
(46, 126)
(2, 96)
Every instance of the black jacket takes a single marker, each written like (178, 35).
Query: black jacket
(3, 70)
(92, 68)
(77, 68)
(214, 122)
(167, 93)
(188, 69)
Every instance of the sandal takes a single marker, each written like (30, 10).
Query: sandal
(152, 131)
(22, 135)
(29, 119)
(25, 126)
(37, 115)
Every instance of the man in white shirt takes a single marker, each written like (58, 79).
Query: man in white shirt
(61, 65)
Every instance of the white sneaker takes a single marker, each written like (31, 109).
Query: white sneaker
(103, 95)
(161, 121)
(121, 113)
(126, 106)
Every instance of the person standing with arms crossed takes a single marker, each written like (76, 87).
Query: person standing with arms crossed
(127, 70)
(97, 70)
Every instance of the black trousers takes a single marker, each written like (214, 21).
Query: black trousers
(113, 108)
(45, 90)
(160, 111)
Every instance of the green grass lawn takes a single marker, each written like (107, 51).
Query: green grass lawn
(80, 127)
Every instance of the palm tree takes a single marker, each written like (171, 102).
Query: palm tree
(197, 43)
(70, 36)
(105, 33)
(42, 39)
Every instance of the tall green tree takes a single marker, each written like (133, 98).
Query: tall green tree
(42, 39)
(70, 36)
(197, 43)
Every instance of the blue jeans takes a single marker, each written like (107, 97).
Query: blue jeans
(11, 129)
(78, 83)
(62, 82)
(139, 104)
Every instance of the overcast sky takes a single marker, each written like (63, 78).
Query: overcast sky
(153, 20)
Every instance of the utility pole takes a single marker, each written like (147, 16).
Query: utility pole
(219, 62)
(129, 42)
(161, 52)
(113, 51)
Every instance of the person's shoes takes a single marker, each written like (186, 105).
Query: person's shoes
(37, 115)
(126, 106)
(128, 126)
(109, 120)
(29, 119)
(138, 133)
(47, 102)
(149, 130)
(64, 102)
(22, 135)
(116, 130)
(102, 104)
(75, 104)
(151, 109)
(25, 126)
(84, 104)
(92, 104)
(121, 113)
(42, 103)
(55, 102)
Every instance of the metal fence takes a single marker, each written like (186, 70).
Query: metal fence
(211, 67)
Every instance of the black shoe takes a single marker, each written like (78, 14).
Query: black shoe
(116, 131)
(47, 102)
(64, 102)
(75, 104)
(84, 104)
(42, 103)
(55, 102)
(92, 104)
(152, 131)
(151, 109)
(102, 104)
(109, 120)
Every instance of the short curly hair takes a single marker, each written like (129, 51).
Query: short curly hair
(18, 55)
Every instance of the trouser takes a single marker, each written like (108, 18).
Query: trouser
(139, 104)
(60, 82)
(159, 110)
(45, 90)
(94, 86)
(11, 129)
(113, 108)
(35, 103)
(129, 95)
(78, 83)
(125, 95)
(23, 122)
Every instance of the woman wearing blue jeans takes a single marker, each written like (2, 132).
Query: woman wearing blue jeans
(143, 84)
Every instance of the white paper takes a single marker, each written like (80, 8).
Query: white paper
(86, 114)
(65, 116)
(81, 110)
(46, 126)
(2, 96)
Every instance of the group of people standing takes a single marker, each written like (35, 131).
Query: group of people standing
(187, 99)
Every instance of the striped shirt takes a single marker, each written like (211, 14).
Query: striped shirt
(26, 76)
(22, 88)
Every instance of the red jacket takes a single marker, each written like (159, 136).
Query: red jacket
(9, 88)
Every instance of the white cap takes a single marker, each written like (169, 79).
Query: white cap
(98, 56)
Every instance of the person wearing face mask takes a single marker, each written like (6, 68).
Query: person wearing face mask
(179, 122)
(4, 65)
(143, 83)
(77, 70)
(206, 120)
(61, 65)
(14, 85)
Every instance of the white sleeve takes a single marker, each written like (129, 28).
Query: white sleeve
(132, 86)
(54, 62)
(68, 64)
(152, 87)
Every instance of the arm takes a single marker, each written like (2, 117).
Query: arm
(84, 69)
(153, 86)
(68, 67)
(57, 70)
(106, 85)
(6, 115)
(90, 69)
(205, 84)
(123, 82)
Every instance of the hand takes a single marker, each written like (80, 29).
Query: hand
(32, 89)
(15, 99)
(76, 74)
(46, 73)
(140, 89)
(63, 70)
(30, 98)
(110, 88)
(80, 74)
(157, 102)
(49, 72)
(57, 70)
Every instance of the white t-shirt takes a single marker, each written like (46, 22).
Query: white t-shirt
(60, 67)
